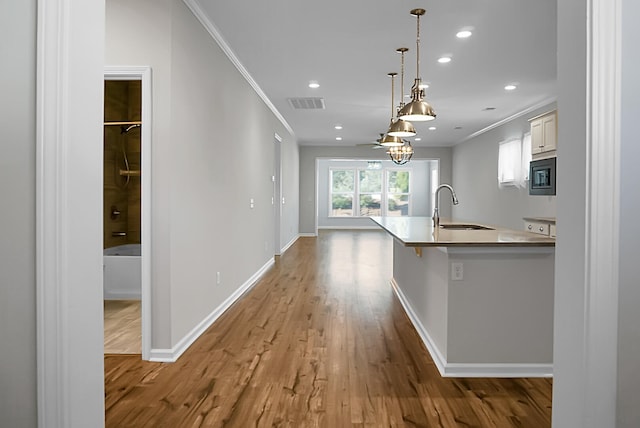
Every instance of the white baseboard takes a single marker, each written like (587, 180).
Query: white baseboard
(122, 295)
(287, 246)
(172, 355)
(307, 235)
(467, 369)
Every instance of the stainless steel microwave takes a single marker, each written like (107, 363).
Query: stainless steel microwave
(542, 177)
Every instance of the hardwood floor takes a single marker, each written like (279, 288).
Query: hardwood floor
(320, 341)
(122, 327)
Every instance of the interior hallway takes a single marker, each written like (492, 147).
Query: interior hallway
(320, 341)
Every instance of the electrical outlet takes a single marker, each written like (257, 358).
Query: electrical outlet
(457, 271)
(218, 278)
(251, 203)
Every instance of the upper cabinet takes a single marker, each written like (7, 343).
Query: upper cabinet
(544, 134)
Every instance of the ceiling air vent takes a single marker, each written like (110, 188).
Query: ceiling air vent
(306, 103)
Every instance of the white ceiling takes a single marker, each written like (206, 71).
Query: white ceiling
(349, 46)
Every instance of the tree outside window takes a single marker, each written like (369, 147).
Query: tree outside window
(370, 191)
(377, 192)
(342, 193)
(398, 193)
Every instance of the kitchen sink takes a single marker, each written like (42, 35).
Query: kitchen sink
(464, 226)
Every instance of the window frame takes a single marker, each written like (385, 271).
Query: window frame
(384, 193)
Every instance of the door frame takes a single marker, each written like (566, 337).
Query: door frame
(142, 73)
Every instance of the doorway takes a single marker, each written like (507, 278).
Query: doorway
(126, 211)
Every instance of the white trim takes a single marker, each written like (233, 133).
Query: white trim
(172, 355)
(602, 212)
(289, 244)
(438, 357)
(217, 36)
(307, 235)
(466, 369)
(70, 377)
(53, 388)
(509, 119)
(122, 295)
(142, 73)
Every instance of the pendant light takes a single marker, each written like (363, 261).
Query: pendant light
(401, 155)
(390, 140)
(401, 128)
(418, 110)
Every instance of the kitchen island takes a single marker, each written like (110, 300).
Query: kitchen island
(480, 297)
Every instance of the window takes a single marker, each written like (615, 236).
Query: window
(511, 168)
(342, 192)
(370, 193)
(378, 192)
(398, 193)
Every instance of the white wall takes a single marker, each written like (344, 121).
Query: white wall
(201, 219)
(17, 218)
(420, 186)
(475, 179)
(308, 185)
(628, 410)
(569, 324)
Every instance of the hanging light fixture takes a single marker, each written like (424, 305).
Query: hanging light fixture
(401, 128)
(401, 155)
(418, 109)
(390, 140)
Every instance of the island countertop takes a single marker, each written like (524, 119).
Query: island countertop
(419, 232)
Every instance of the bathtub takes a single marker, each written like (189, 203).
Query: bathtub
(122, 272)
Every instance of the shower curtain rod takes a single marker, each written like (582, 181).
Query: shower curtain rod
(138, 122)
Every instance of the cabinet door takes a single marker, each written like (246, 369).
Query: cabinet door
(549, 132)
(537, 137)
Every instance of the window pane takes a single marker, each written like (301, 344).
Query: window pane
(398, 182)
(342, 205)
(342, 181)
(370, 204)
(398, 205)
(370, 181)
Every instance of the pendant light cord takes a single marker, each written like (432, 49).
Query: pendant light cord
(418, 49)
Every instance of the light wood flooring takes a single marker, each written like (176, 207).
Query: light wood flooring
(320, 341)
(122, 328)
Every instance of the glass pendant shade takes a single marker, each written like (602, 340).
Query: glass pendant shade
(401, 155)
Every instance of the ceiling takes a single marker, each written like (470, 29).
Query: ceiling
(349, 46)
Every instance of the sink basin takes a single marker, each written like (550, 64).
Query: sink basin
(464, 226)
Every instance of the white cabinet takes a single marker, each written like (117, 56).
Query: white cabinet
(544, 133)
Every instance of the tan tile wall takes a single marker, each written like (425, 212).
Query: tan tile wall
(122, 103)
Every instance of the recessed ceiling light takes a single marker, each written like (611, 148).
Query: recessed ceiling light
(444, 59)
(417, 139)
(510, 87)
(338, 138)
(432, 128)
(423, 86)
(313, 84)
(338, 127)
(463, 34)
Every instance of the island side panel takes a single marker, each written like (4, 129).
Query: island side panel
(502, 310)
(422, 283)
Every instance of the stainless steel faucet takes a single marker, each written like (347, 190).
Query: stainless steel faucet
(436, 213)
